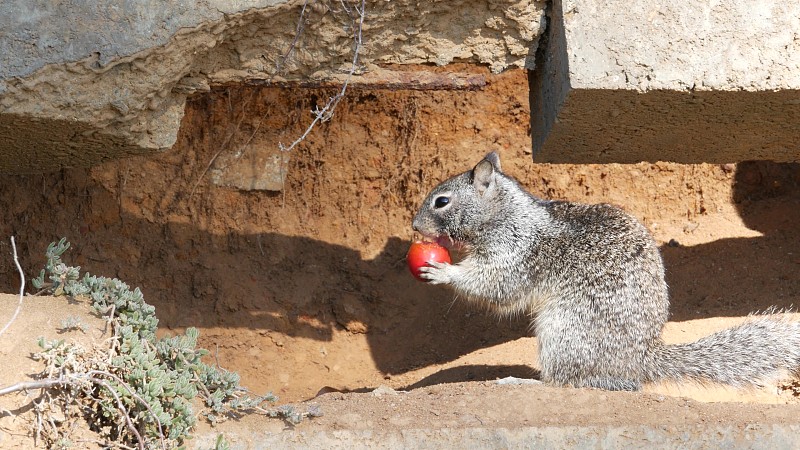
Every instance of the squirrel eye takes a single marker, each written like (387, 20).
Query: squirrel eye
(441, 202)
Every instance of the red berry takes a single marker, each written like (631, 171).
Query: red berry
(421, 252)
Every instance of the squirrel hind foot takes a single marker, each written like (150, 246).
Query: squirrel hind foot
(605, 383)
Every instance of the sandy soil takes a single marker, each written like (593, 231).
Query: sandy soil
(305, 290)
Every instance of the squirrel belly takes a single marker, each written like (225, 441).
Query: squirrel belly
(591, 278)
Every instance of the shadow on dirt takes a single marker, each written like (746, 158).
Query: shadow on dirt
(475, 373)
(735, 277)
(296, 286)
(307, 288)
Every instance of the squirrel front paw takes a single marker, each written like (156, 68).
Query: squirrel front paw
(438, 272)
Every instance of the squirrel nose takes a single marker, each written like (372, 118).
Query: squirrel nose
(415, 225)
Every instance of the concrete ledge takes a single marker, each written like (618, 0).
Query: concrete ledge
(683, 81)
(690, 436)
(625, 126)
(490, 415)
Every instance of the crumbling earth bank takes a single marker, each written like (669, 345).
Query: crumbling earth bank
(305, 288)
(118, 87)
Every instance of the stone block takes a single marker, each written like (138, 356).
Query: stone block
(692, 81)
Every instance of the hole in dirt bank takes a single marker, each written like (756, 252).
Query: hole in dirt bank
(307, 287)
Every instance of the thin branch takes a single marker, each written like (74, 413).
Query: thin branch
(105, 444)
(30, 385)
(124, 412)
(320, 115)
(224, 144)
(252, 135)
(325, 114)
(39, 408)
(91, 376)
(293, 45)
(134, 395)
(21, 288)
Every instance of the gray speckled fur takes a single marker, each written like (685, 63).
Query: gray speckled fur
(592, 280)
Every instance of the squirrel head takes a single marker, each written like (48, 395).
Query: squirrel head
(455, 211)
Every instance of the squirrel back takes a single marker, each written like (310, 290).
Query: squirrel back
(591, 278)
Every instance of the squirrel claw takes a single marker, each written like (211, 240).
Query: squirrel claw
(437, 264)
(436, 272)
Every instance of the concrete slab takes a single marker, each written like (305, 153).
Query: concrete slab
(486, 415)
(629, 437)
(690, 82)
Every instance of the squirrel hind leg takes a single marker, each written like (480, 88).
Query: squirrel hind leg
(614, 384)
(605, 383)
(611, 384)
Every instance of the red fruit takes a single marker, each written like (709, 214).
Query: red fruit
(421, 252)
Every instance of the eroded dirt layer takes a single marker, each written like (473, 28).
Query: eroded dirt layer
(122, 84)
(307, 287)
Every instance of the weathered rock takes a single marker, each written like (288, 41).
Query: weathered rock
(681, 81)
(695, 436)
(85, 81)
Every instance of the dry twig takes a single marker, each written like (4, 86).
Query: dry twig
(80, 380)
(21, 288)
(297, 33)
(325, 114)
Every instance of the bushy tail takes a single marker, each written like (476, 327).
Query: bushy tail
(762, 348)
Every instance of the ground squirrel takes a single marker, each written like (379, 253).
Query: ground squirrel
(592, 280)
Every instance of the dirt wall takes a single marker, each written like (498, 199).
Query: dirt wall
(307, 287)
(117, 86)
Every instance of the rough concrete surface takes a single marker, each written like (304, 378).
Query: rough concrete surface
(108, 79)
(630, 437)
(485, 415)
(683, 81)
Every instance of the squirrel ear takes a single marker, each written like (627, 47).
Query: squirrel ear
(493, 158)
(483, 175)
